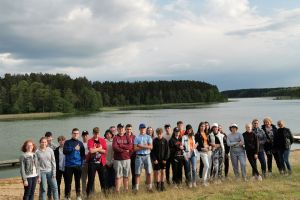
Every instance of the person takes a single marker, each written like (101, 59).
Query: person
(204, 150)
(167, 136)
(237, 153)
(60, 162)
(150, 132)
(84, 173)
(284, 142)
(47, 167)
(226, 151)
(207, 131)
(128, 131)
(143, 146)
(122, 144)
(74, 159)
(271, 132)
(217, 152)
(180, 126)
(110, 160)
(159, 156)
(96, 162)
(190, 155)
(113, 130)
(29, 169)
(252, 147)
(50, 143)
(177, 158)
(262, 140)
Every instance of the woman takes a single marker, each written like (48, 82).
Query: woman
(177, 158)
(284, 141)
(109, 160)
(30, 170)
(251, 146)
(237, 153)
(47, 166)
(205, 151)
(189, 146)
(271, 132)
(150, 131)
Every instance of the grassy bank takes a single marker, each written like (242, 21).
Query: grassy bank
(275, 187)
(26, 116)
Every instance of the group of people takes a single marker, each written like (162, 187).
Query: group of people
(121, 154)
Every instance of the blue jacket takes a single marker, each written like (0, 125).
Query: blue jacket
(73, 157)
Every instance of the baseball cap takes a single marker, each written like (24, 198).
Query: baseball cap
(215, 124)
(176, 129)
(142, 126)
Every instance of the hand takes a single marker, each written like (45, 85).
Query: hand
(155, 162)
(195, 146)
(181, 147)
(25, 183)
(255, 156)
(241, 143)
(164, 161)
(77, 147)
(39, 180)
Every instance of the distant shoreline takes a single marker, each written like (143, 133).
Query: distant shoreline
(28, 116)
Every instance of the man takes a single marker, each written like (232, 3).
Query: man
(128, 130)
(60, 161)
(121, 145)
(74, 158)
(97, 161)
(217, 151)
(180, 127)
(143, 146)
(262, 138)
(84, 174)
(168, 135)
(226, 153)
(49, 137)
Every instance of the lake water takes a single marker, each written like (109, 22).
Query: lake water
(240, 111)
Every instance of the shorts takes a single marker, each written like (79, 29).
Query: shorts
(159, 166)
(143, 161)
(122, 168)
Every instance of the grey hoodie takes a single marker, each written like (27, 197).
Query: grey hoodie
(46, 160)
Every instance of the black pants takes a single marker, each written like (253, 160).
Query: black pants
(29, 190)
(226, 164)
(270, 154)
(132, 167)
(110, 177)
(59, 175)
(168, 166)
(69, 172)
(252, 161)
(177, 164)
(102, 174)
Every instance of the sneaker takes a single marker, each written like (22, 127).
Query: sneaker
(206, 184)
(67, 198)
(175, 186)
(194, 184)
(259, 178)
(190, 185)
(135, 191)
(270, 174)
(78, 198)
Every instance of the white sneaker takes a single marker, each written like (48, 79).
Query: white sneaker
(194, 184)
(259, 178)
(190, 185)
(67, 198)
(78, 198)
(206, 184)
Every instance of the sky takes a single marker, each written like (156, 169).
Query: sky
(229, 43)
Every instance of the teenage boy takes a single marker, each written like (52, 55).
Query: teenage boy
(180, 127)
(97, 161)
(84, 174)
(128, 131)
(168, 135)
(74, 157)
(121, 145)
(159, 156)
(49, 137)
(143, 146)
(60, 161)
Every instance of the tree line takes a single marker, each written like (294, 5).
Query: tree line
(37, 92)
(293, 92)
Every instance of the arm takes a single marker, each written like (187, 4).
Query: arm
(290, 136)
(22, 169)
(37, 166)
(256, 145)
(53, 164)
(82, 153)
(242, 142)
(152, 154)
(166, 155)
(127, 146)
(230, 144)
(68, 148)
(116, 146)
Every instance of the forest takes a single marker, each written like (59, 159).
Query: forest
(292, 92)
(37, 92)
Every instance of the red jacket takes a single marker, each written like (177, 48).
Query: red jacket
(93, 144)
(122, 145)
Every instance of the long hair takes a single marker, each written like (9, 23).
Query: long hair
(23, 148)
(200, 124)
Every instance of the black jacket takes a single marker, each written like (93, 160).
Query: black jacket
(160, 150)
(284, 139)
(174, 145)
(200, 140)
(251, 142)
(270, 140)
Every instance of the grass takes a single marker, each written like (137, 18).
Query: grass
(25, 116)
(275, 187)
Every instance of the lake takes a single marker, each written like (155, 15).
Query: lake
(240, 111)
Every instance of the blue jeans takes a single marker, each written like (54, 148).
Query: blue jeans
(47, 179)
(192, 161)
(284, 154)
(262, 160)
(235, 158)
(29, 190)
